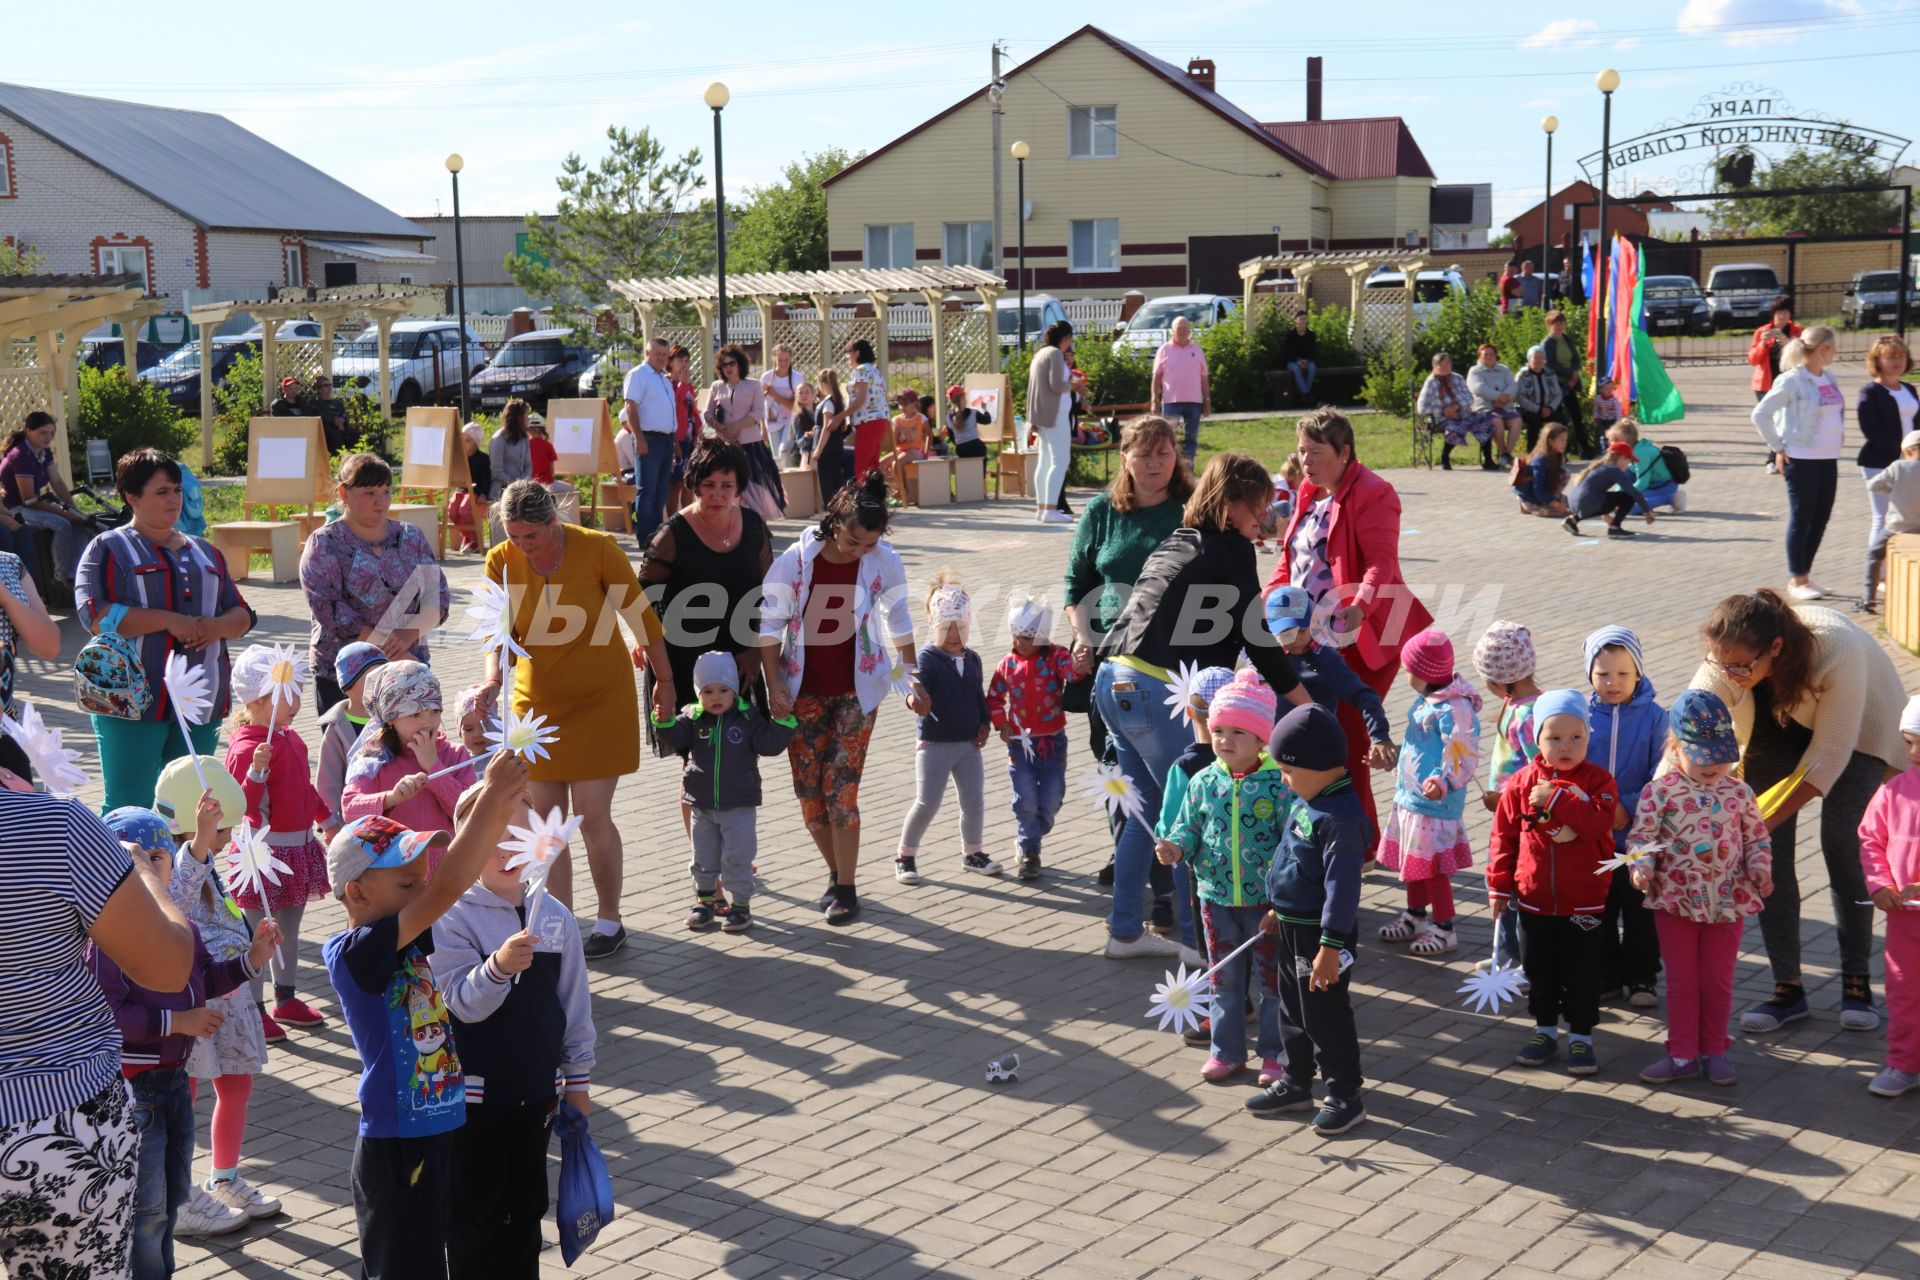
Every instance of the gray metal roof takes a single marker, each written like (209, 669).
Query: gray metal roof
(204, 166)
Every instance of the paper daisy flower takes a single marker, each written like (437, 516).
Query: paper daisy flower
(1110, 788)
(1021, 736)
(536, 845)
(53, 763)
(1626, 859)
(527, 738)
(1180, 691)
(492, 626)
(252, 864)
(1178, 1001)
(286, 675)
(1487, 989)
(187, 686)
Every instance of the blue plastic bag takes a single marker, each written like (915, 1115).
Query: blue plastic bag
(585, 1202)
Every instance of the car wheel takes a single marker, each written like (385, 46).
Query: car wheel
(407, 396)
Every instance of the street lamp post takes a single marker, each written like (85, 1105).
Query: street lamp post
(716, 97)
(1547, 126)
(1606, 82)
(1020, 151)
(454, 165)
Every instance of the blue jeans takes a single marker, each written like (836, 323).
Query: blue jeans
(1188, 412)
(1039, 785)
(163, 1119)
(1133, 706)
(1227, 928)
(652, 472)
(1659, 495)
(1303, 375)
(1811, 484)
(25, 542)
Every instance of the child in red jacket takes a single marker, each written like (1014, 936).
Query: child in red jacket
(1551, 831)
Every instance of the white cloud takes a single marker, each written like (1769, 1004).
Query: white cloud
(1563, 33)
(1755, 22)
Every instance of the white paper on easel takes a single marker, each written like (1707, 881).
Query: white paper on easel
(283, 459)
(573, 436)
(426, 446)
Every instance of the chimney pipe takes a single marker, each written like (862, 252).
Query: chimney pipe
(1200, 70)
(1313, 88)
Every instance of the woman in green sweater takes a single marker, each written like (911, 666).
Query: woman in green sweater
(1117, 532)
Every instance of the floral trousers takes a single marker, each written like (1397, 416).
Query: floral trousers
(66, 1190)
(829, 750)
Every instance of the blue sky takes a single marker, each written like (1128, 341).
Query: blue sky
(379, 103)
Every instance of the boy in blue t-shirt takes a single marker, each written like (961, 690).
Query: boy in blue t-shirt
(412, 1096)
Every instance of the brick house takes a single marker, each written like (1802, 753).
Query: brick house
(184, 199)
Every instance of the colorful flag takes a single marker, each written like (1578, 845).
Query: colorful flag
(1622, 316)
(1659, 400)
(1593, 307)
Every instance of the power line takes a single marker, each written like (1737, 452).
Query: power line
(1231, 173)
(1562, 74)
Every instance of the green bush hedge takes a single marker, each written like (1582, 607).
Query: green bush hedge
(128, 414)
(1461, 324)
(238, 400)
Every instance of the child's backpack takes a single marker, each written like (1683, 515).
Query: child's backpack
(1522, 471)
(1676, 461)
(108, 676)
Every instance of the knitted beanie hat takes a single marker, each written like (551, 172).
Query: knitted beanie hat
(1246, 703)
(716, 667)
(1620, 636)
(1309, 737)
(1557, 702)
(1505, 653)
(1910, 718)
(1429, 656)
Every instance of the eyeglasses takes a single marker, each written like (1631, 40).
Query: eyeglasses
(1737, 670)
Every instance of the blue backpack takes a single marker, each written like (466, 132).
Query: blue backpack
(108, 677)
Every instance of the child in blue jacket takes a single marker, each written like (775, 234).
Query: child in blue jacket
(1314, 886)
(1328, 679)
(1627, 733)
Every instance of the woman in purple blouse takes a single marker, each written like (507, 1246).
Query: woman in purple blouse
(368, 577)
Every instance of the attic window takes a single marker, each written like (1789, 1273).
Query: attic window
(1093, 133)
(6, 168)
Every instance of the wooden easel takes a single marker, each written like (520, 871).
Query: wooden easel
(433, 464)
(286, 467)
(581, 432)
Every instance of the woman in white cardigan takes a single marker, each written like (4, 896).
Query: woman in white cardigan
(1809, 691)
(836, 635)
(1803, 419)
(1049, 400)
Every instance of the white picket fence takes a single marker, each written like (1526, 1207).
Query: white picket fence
(1093, 315)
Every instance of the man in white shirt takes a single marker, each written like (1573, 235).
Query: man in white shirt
(649, 413)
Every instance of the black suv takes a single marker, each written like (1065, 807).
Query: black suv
(535, 367)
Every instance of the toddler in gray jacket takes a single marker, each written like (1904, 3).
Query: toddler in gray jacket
(722, 736)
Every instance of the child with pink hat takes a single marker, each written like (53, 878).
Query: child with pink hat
(1424, 838)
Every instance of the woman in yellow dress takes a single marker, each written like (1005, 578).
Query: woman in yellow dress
(566, 585)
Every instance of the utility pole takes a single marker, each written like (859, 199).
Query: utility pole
(995, 92)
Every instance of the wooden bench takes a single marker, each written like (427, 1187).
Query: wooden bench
(1286, 395)
(239, 539)
(1902, 609)
(613, 511)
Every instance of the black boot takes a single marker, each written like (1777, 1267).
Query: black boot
(1446, 457)
(1486, 456)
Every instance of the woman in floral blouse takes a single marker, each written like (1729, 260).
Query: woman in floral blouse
(368, 577)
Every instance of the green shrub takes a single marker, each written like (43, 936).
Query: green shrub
(128, 414)
(236, 401)
(1236, 373)
(1392, 383)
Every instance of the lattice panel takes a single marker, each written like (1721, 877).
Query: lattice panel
(21, 392)
(1380, 325)
(298, 360)
(971, 345)
(1288, 305)
(695, 340)
(804, 337)
(848, 327)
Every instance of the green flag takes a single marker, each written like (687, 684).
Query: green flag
(1657, 398)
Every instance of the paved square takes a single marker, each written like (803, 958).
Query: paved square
(804, 1101)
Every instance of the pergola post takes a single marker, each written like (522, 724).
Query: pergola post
(937, 319)
(206, 394)
(269, 362)
(61, 398)
(643, 312)
(823, 307)
(882, 303)
(1304, 277)
(765, 308)
(130, 345)
(383, 321)
(1250, 273)
(1411, 278)
(704, 362)
(327, 321)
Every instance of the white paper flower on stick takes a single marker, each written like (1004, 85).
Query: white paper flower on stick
(1177, 1002)
(286, 675)
(527, 738)
(187, 686)
(492, 626)
(1487, 989)
(536, 845)
(1180, 691)
(1627, 859)
(53, 763)
(252, 864)
(1110, 787)
(1020, 734)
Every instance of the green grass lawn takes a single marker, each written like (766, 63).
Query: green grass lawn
(1382, 441)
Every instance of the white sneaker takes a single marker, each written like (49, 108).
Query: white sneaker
(1148, 946)
(1679, 503)
(202, 1215)
(1806, 591)
(235, 1193)
(1055, 517)
(906, 870)
(980, 863)
(1893, 1082)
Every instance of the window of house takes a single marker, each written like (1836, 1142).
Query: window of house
(6, 169)
(890, 246)
(290, 264)
(969, 244)
(128, 258)
(1093, 133)
(1095, 245)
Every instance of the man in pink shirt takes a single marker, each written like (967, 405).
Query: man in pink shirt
(1180, 385)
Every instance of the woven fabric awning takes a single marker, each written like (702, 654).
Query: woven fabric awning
(805, 284)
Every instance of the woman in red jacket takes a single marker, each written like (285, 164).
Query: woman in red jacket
(1343, 548)
(1764, 353)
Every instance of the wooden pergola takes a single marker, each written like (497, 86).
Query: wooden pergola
(47, 315)
(1358, 265)
(766, 289)
(381, 303)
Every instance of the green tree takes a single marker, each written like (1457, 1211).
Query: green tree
(783, 226)
(16, 261)
(1864, 211)
(630, 214)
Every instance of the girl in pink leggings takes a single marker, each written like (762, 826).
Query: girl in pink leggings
(1890, 855)
(1702, 856)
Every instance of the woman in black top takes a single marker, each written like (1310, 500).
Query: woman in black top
(709, 560)
(1198, 600)
(832, 438)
